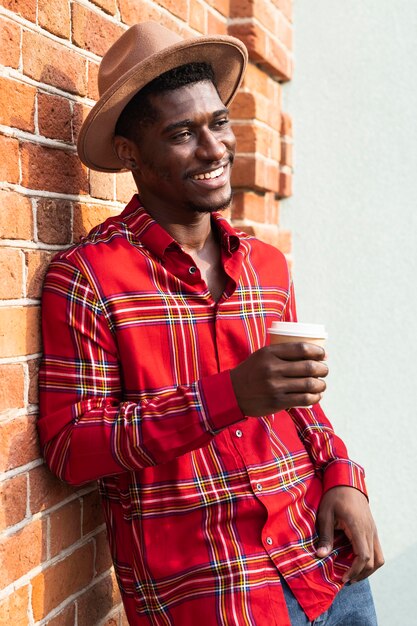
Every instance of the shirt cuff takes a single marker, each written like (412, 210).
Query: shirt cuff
(220, 402)
(344, 472)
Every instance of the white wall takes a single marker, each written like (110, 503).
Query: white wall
(354, 218)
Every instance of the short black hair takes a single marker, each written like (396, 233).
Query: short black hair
(139, 110)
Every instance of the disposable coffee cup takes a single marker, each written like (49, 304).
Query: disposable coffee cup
(291, 332)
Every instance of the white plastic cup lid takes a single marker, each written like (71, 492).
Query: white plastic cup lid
(299, 329)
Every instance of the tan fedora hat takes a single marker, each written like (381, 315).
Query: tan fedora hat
(141, 54)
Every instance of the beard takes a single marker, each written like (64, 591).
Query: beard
(221, 206)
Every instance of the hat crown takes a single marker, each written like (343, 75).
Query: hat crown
(138, 43)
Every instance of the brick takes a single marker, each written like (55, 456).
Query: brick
(13, 498)
(243, 106)
(54, 117)
(286, 154)
(285, 31)
(33, 367)
(223, 6)
(264, 48)
(46, 490)
(51, 169)
(14, 608)
(12, 386)
(10, 34)
(65, 618)
(18, 442)
(61, 580)
(284, 242)
(101, 185)
(37, 262)
(25, 8)
(285, 185)
(278, 59)
(11, 273)
(9, 163)
(65, 527)
(21, 552)
(54, 16)
(248, 205)
(92, 87)
(86, 216)
(125, 186)
(177, 7)
(269, 233)
(109, 6)
(53, 219)
(95, 604)
(253, 36)
(255, 173)
(92, 512)
(257, 138)
(17, 104)
(272, 208)
(286, 125)
(255, 79)
(198, 16)
(19, 330)
(216, 24)
(286, 7)
(92, 31)
(80, 112)
(103, 560)
(52, 63)
(16, 216)
(262, 10)
(132, 12)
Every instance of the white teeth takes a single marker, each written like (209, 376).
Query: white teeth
(207, 175)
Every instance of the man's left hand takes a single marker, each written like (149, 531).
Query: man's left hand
(347, 509)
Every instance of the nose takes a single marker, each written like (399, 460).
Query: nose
(210, 147)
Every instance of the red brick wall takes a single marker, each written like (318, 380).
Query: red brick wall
(55, 566)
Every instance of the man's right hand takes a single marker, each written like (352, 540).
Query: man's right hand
(279, 377)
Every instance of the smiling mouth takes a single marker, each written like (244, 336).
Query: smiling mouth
(209, 175)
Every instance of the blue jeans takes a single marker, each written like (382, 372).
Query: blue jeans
(353, 606)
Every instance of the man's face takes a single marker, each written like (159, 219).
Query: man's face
(184, 158)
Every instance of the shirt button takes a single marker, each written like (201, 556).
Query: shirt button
(269, 541)
(259, 487)
(192, 269)
(239, 433)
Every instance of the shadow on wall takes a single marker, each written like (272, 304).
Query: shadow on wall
(71, 538)
(394, 587)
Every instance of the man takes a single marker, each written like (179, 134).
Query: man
(157, 380)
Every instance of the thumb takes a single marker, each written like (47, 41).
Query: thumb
(325, 529)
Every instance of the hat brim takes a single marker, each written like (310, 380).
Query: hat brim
(226, 55)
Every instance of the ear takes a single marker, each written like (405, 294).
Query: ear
(125, 150)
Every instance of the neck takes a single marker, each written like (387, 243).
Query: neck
(192, 231)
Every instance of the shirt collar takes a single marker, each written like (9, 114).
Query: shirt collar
(158, 241)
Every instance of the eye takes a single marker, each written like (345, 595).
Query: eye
(224, 121)
(181, 136)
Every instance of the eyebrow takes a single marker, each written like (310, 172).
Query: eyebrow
(188, 122)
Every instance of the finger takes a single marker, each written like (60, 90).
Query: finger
(295, 400)
(362, 546)
(325, 530)
(375, 563)
(304, 386)
(302, 369)
(298, 351)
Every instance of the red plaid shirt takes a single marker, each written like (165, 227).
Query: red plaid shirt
(205, 507)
